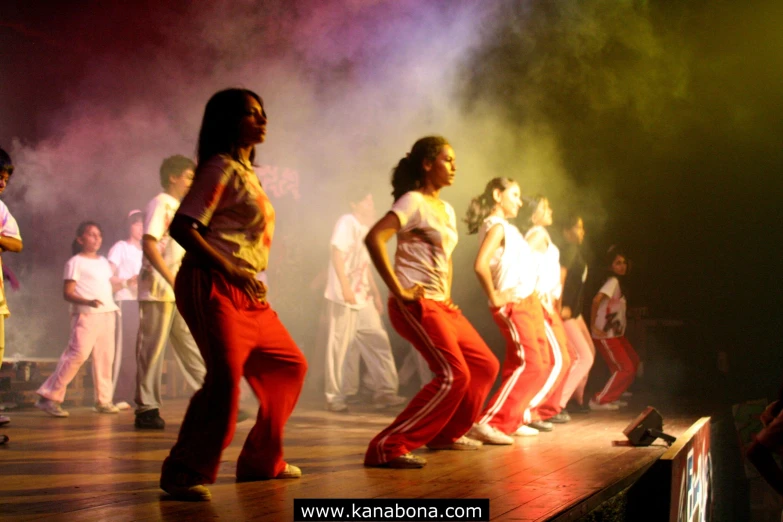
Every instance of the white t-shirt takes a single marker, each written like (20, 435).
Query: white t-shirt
(611, 312)
(348, 238)
(158, 215)
(425, 242)
(547, 259)
(227, 198)
(93, 281)
(8, 228)
(512, 265)
(127, 258)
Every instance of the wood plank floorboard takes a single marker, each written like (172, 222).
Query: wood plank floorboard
(99, 467)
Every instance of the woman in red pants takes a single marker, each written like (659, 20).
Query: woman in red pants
(225, 224)
(506, 269)
(608, 331)
(421, 310)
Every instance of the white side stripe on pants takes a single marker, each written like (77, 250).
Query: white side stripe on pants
(512, 381)
(445, 386)
(608, 385)
(541, 395)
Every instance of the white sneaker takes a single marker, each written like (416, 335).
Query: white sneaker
(122, 406)
(105, 408)
(489, 435)
(4, 420)
(596, 406)
(526, 431)
(461, 444)
(51, 407)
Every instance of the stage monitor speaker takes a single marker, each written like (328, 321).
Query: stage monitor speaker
(646, 428)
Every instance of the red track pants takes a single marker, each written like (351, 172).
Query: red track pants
(237, 337)
(553, 404)
(526, 367)
(464, 368)
(623, 363)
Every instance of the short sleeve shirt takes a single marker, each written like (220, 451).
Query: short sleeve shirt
(157, 219)
(348, 238)
(127, 258)
(93, 281)
(8, 228)
(611, 313)
(512, 265)
(425, 242)
(227, 198)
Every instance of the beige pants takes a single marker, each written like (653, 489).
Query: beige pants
(160, 322)
(90, 334)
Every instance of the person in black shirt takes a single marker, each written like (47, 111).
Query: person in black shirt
(574, 273)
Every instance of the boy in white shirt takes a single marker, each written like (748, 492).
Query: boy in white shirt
(10, 241)
(355, 305)
(159, 319)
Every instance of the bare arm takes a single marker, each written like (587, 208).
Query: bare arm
(487, 249)
(376, 240)
(70, 295)
(597, 300)
(117, 283)
(338, 262)
(10, 244)
(184, 233)
(376, 294)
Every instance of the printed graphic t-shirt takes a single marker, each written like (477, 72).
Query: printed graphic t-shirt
(611, 313)
(348, 238)
(157, 219)
(425, 242)
(227, 198)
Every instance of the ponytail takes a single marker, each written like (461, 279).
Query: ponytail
(482, 205)
(409, 174)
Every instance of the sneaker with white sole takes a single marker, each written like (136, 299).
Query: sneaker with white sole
(542, 425)
(597, 406)
(461, 444)
(4, 420)
(388, 401)
(123, 405)
(51, 407)
(405, 461)
(526, 431)
(105, 408)
(489, 435)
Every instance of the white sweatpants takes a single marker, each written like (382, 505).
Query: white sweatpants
(354, 334)
(90, 334)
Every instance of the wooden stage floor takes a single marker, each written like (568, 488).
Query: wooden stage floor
(98, 467)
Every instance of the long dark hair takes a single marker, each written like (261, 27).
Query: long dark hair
(219, 132)
(409, 173)
(481, 206)
(76, 247)
(611, 255)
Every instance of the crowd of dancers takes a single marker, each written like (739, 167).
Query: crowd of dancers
(189, 273)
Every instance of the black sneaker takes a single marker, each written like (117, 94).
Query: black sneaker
(560, 418)
(149, 420)
(574, 407)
